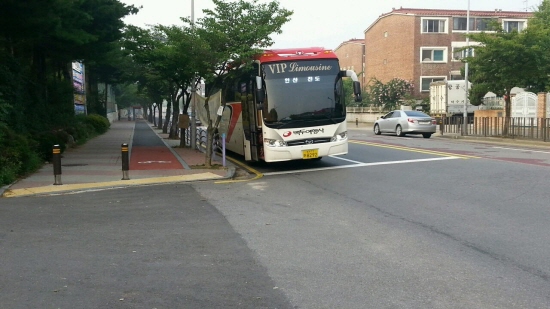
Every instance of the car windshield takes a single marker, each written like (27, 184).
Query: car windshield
(415, 114)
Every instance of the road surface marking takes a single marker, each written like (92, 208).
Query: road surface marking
(359, 165)
(538, 151)
(344, 159)
(432, 152)
(149, 162)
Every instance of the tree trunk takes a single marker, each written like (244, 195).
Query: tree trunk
(508, 114)
(209, 143)
(159, 106)
(168, 115)
(175, 118)
(183, 142)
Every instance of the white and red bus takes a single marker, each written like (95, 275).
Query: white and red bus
(292, 106)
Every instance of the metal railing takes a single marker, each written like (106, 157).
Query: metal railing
(508, 127)
(201, 137)
(201, 133)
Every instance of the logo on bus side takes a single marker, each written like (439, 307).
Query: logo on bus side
(310, 131)
(302, 131)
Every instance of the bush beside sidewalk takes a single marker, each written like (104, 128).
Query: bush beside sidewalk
(25, 153)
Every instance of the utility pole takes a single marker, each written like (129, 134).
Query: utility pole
(193, 93)
(467, 89)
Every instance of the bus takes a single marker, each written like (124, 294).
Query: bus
(292, 106)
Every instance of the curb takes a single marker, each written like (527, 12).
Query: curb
(84, 187)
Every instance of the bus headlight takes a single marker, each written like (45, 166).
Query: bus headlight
(274, 142)
(340, 136)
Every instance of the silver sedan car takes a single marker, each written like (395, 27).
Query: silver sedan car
(405, 122)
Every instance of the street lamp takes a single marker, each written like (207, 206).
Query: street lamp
(154, 114)
(467, 89)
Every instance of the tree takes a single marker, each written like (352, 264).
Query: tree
(348, 89)
(510, 59)
(169, 57)
(43, 38)
(142, 46)
(389, 95)
(234, 33)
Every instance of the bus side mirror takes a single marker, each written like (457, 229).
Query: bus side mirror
(357, 91)
(260, 91)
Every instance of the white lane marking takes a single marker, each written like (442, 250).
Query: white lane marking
(344, 159)
(359, 165)
(149, 162)
(521, 149)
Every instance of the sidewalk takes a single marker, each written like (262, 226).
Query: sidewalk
(98, 164)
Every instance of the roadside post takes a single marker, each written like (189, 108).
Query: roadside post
(125, 162)
(56, 160)
(223, 149)
(356, 122)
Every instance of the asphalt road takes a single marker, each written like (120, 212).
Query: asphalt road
(159, 246)
(401, 223)
(397, 223)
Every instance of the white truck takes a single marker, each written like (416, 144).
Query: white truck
(448, 97)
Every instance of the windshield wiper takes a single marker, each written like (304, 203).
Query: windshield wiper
(329, 118)
(286, 124)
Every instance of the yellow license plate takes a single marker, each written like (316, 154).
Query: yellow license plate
(310, 154)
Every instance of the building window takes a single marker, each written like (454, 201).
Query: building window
(460, 53)
(426, 80)
(434, 25)
(433, 54)
(455, 75)
(476, 24)
(484, 24)
(513, 25)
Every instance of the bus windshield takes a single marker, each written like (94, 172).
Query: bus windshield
(303, 93)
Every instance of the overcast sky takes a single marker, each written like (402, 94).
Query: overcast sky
(317, 22)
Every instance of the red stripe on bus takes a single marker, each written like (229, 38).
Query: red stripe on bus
(236, 110)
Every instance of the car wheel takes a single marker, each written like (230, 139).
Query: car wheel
(377, 129)
(426, 135)
(399, 131)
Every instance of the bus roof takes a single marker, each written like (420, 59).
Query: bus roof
(271, 55)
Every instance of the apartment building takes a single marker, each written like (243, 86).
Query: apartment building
(351, 55)
(423, 45)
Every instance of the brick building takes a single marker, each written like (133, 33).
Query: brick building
(351, 55)
(423, 45)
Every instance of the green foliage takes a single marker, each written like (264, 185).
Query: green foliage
(98, 122)
(234, 33)
(46, 141)
(24, 153)
(128, 95)
(389, 95)
(17, 156)
(506, 60)
(348, 90)
(477, 93)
